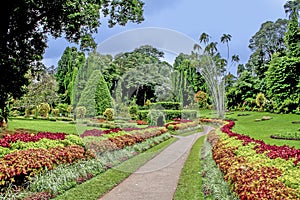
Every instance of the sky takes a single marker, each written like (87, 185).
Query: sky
(180, 23)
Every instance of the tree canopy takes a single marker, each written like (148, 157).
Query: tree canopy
(26, 26)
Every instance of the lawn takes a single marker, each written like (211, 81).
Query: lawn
(262, 130)
(48, 126)
(190, 181)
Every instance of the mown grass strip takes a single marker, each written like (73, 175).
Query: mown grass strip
(190, 181)
(101, 184)
(198, 130)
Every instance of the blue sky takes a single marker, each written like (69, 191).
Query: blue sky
(190, 18)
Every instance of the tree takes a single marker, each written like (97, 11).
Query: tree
(186, 64)
(149, 51)
(103, 98)
(142, 82)
(225, 39)
(267, 41)
(42, 89)
(68, 66)
(26, 26)
(204, 37)
(283, 75)
(291, 7)
(88, 98)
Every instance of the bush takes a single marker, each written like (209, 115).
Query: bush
(109, 114)
(64, 109)
(43, 109)
(260, 100)
(156, 118)
(80, 111)
(55, 112)
(170, 114)
(201, 98)
(133, 111)
(168, 105)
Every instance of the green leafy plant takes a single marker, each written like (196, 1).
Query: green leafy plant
(109, 114)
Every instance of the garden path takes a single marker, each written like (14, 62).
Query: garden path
(158, 178)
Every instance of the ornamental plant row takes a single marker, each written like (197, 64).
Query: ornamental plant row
(273, 151)
(30, 137)
(254, 169)
(121, 141)
(18, 166)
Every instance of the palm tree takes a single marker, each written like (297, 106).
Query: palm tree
(204, 37)
(211, 48)
(225, 39)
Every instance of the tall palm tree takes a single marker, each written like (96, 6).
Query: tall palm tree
(204, 37)
(225, 39)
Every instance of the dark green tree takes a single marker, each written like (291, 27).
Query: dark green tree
(283, 75)
(67, 69)
(94, 61)
(88, 98)
(267, 41)
(26, 26)
(103, 98)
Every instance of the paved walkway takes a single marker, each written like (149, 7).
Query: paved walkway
(158, 178)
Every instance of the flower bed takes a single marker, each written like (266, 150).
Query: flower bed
(256, 170)
(103, 149)
(181, 125)
(109, 140)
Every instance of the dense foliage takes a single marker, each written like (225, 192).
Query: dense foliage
(28, 24)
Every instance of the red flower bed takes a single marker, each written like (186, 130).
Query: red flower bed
(27, 137)
(97, 132)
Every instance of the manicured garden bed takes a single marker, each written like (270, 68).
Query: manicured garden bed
(255, 169)
(46, 164)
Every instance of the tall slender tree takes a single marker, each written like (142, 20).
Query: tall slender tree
(226, 38)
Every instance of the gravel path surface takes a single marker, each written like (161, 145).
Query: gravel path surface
(158, 178)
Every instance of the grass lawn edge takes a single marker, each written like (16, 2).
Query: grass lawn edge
(190, 181)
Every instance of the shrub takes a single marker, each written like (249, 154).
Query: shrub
(168, 105)
(43, 109)
(201, 98)
(133, 111)
(80, 111)
(156, 117)
(64, 109)
(260, 100)
(103, 98)
(109, 114)
(170, 114)
(55, 112)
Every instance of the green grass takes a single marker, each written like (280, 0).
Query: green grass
(190, 181)
(198, 130)
(262, 130)
(45, 125)
(101, 184)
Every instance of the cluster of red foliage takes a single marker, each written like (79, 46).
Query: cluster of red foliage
(30, 137)
(97, 132)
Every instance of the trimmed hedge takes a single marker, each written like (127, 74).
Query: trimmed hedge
(170, 114)
(168, 105)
